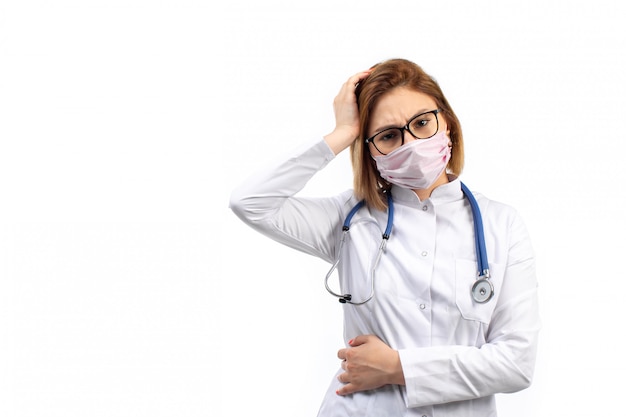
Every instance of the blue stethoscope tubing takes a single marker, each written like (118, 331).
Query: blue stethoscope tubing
(347, 298)
(482, 290)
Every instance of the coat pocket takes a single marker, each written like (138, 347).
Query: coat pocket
(466, 273)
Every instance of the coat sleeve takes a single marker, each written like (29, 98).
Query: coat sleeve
(505, 363)
(267, 202)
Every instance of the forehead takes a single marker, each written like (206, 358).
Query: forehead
(398, 105)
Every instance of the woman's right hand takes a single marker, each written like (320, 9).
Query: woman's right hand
(346, 115)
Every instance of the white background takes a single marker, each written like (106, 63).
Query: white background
(128, 288)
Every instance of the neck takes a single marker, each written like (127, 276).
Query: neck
(424, 194)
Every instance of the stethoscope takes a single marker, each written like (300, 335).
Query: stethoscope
(482, 289)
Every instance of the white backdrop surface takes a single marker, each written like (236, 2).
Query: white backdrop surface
(128, 288)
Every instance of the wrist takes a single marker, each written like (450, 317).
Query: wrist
(340, 138)
(397, 376)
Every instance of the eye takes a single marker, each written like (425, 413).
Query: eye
(420, 122)
(388, 135)
(424, 125)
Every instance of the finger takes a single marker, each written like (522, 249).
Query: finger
(359, 340)
(343, 378)
(341, 354)
(362, 74)
(346, 389)
(354, 80)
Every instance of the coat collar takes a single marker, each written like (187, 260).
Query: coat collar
(445, 193)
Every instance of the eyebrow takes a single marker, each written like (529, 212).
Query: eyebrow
(376, 131)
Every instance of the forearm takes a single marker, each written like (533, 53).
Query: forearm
(266, 191)
(339, 139)
(442, 374)
(268, 203)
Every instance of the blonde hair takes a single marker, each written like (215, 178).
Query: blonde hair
(385, 76)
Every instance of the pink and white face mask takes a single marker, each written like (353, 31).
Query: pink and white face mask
(416, 165)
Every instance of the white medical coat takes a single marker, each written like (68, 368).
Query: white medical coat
(455, 353)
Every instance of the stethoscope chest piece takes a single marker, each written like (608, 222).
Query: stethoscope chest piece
(482, 290)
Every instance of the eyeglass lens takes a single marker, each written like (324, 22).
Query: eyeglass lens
(422, 126)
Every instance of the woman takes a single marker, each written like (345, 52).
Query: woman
(418, 341)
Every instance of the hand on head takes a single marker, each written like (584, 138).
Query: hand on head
(347, 124)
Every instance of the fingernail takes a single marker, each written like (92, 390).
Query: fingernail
(350, 341)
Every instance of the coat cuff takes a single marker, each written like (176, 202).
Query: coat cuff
(426, 373)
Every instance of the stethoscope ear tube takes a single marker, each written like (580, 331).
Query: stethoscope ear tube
(343, 298)
(347, 298)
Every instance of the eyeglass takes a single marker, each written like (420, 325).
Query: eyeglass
(423, 126)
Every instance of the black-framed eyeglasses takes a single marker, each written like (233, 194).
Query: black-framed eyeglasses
(423, 126)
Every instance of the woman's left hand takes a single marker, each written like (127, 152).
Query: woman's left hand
(368, 364)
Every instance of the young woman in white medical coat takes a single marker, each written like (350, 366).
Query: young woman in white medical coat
(422, 345)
